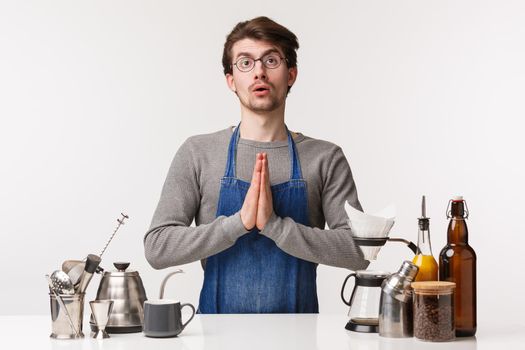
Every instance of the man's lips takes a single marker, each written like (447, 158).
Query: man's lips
(260, 87)
(261, 90)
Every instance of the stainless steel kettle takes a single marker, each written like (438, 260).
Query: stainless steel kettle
(126, 290)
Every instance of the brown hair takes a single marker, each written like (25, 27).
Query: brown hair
(261, 28)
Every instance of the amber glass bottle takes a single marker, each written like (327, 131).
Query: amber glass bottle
(457, 263)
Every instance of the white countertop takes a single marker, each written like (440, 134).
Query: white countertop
(267, 331)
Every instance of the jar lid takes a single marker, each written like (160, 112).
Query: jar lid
(433, 287)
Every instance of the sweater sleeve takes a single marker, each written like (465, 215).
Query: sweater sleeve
(335, 246)
(170, 240)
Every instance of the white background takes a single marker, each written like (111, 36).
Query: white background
(424, 97)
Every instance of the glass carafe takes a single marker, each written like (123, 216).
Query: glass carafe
(364, 300)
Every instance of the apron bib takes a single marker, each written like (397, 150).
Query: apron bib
(254, 275)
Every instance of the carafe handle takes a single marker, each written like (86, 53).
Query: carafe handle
(193, 314)
(349, 302)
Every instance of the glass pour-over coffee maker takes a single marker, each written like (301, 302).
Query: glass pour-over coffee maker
(370, 234)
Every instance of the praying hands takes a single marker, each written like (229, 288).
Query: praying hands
(258, 207)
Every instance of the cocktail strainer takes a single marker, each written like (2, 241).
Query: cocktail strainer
(62, 283)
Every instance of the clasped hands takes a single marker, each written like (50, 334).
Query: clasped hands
(258, 206)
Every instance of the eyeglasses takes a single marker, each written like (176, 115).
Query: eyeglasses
(271, 61)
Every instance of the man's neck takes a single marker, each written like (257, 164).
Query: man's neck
(266, 127)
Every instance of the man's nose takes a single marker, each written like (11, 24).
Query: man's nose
(259, 70)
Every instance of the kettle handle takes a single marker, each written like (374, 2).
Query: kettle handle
(163, 284)
(349, 302)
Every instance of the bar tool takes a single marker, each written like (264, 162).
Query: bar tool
(120, 222)
(100, 309)
(68, 265)
(76, 272)
(92, 262)
(77, 268)
(62, 305)
(395, 306)
(61, 283)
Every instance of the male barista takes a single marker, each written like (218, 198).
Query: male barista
(259, 193)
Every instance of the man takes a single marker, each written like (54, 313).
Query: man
(260, 195)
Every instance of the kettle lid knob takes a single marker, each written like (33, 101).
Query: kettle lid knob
(121, 266)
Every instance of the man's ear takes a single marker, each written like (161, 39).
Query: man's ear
(292, 75)
(231, 82)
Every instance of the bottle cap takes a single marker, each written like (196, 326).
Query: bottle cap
(423, 221)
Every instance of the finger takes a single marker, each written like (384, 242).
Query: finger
(266, 171)
(263, 173)
(258, 161)
(257, 183)
(253, 192)
(252, 196)
(257, 168)
(267, 167)
(264, 177)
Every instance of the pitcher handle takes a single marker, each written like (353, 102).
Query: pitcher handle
(188, 321)
(349, 303)
(163, 285)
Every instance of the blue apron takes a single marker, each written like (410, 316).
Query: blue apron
(254, 275)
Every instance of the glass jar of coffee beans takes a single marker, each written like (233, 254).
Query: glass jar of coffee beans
(434, 311)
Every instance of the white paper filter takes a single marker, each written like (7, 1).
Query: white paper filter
(376, 225)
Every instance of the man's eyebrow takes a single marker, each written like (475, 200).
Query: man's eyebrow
(240, 54)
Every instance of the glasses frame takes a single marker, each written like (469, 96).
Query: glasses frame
(262, 62)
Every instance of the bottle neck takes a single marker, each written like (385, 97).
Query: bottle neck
(457, 232)
(423, 242)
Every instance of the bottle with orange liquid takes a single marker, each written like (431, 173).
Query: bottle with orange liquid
(428, 267)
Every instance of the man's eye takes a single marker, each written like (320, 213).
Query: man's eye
(245, 62)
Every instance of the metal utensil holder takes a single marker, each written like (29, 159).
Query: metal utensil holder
(60, 326)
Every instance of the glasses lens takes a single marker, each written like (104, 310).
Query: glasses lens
(271, 61)
(245, 64)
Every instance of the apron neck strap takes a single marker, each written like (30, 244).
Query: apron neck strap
(295, 166)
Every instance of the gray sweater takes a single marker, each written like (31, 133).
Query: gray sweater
(191, 191)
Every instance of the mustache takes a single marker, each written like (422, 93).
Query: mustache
(260, 83)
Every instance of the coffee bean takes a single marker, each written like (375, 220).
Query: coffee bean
(434, 317)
